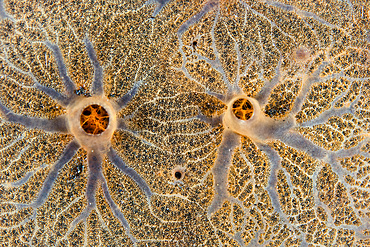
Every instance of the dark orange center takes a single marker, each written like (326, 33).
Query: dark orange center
(94, 119)
(243, 109)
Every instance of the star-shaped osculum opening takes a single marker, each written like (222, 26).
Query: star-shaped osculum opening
(60, 125)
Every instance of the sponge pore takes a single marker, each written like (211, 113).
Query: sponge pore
(94, 119)
(242, 109)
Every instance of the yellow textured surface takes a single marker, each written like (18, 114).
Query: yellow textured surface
(305, 182)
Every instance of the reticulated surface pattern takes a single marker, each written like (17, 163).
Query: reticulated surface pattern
(171, 172)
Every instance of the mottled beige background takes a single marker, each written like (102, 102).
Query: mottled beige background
(303, 179)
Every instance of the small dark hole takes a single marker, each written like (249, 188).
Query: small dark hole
(195, 43)
(86, 112)
(178, 175)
